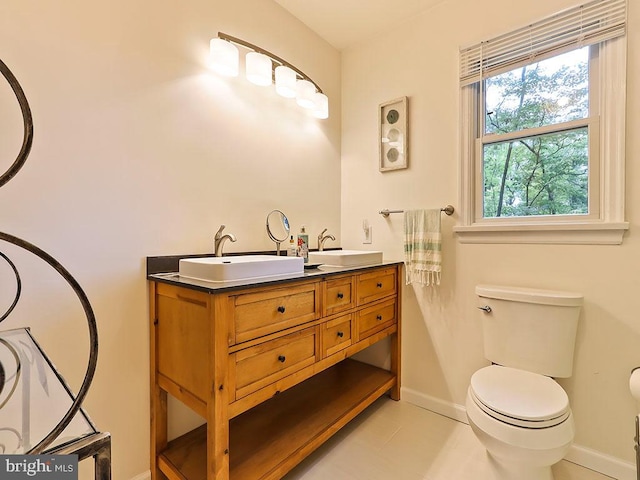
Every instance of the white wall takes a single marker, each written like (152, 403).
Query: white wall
(442, 332)
(140, 150)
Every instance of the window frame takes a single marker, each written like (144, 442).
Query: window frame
(605, 222)
(591, 122)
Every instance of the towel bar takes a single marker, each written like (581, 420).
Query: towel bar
(448, 210)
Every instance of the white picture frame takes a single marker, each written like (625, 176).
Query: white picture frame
(393, 134)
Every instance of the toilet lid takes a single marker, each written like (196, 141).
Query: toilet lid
(519, 397)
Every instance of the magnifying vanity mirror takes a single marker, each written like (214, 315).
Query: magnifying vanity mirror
(278, 228)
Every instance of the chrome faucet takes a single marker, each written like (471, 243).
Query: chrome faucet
(219, 239)
(323, 238)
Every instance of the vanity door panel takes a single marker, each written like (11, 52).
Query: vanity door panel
(375, 318)
(269, 311)
(338, 295)
(375, 285)
(336, 335)
(260, 365)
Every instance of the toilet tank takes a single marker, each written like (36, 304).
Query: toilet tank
(530, 329)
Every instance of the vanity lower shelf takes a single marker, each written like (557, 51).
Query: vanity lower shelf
(270, 439)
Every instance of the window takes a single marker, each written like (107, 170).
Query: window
(535, 142)
(543, 131)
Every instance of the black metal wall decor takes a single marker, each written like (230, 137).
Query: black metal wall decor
(19, 354)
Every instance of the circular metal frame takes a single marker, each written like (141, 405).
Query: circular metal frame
(18, 287)
(93, 339)
(91, 320)
(17, 375)
(285, 225)
(27, 119)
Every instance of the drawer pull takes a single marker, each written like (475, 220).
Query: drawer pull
(281, 358)
(340, 334)
(281, 309)
(340, 295)
(378, 317)
(379, 284)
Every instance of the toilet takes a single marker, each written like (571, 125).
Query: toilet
(514, 406)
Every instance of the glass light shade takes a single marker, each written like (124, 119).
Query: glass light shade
(285, 81)
(223, 57)
(258, 68)
(305, 90)
(321, 105)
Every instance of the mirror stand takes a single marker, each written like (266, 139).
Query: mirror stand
(278, 228)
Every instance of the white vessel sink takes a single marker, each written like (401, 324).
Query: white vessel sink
(346, 258)
(225, 269)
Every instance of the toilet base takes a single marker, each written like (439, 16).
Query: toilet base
(518, 453)
(502, 470)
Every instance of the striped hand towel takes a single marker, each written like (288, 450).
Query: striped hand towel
(422, 246)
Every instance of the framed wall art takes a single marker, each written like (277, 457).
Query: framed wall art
(393, 134)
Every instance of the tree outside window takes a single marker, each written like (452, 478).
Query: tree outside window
(535, 151)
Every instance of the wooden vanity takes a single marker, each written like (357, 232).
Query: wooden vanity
(268, 367)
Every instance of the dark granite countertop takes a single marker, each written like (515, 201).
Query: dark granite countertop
(165, 270)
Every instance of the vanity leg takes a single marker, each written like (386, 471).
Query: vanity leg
(396, 350)
(395, 365)
(218, 402)
(158, 429)
(158, 396)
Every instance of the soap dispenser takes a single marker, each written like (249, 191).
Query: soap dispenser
(303, 245)
(292, 251)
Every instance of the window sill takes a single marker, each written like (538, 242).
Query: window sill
(574, 233)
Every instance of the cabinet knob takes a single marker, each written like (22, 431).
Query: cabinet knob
(378, 317)
(340, 295)
(282, 358)
(281, 309)
(379, 284)
(340, 334)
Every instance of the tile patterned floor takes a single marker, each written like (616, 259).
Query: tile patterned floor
(400, 441)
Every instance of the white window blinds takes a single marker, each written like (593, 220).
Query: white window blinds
(579, 26)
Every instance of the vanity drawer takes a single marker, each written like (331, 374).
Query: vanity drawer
(375, 285)
(258, 366)
(372, 319)
(338, 295)
(269, 311)
(336, 335)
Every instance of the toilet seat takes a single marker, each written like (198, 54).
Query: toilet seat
(519, 398)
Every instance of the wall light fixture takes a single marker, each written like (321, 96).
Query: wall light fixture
(263, 68)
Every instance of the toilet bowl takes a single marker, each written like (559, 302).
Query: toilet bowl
(515, 407)
(523, 420)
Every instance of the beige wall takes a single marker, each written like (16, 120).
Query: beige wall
(139, 150)
(442, 334)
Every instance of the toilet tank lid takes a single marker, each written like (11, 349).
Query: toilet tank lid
(530, 295)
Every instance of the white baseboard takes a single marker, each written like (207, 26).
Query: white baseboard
(602, 463)
(585, 457)
(437, 405)
(143, 476)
